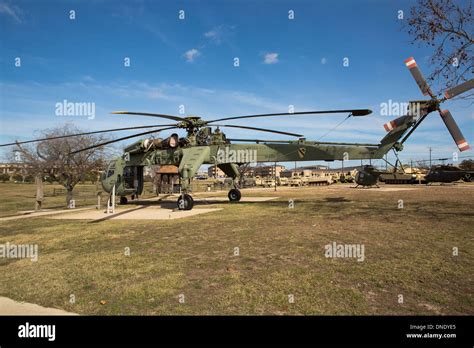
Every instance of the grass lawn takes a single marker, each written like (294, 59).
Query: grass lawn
(408, 252)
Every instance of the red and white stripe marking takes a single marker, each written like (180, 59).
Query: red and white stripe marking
(410, 62)
(463, 145)
(389, 126)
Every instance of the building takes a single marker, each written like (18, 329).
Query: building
(215, 172)
(13, 169)
(268, 171)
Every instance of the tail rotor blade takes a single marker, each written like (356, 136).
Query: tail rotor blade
(459, 89)
(418, 76)
(454, 130)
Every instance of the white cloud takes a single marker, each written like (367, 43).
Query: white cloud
(13, 11)
(191, 55)
(211, 34)
(220, 34)
(270, 58)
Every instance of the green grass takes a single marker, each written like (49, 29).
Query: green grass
(407, 251)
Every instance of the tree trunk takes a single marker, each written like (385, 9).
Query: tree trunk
(39, 191)
(69, 195)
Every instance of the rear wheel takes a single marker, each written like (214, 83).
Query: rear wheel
(234, 195)
(185, 202)
(123, 200)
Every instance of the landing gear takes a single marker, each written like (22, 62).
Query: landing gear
(123, 200)
(185, 202)
(234, 195)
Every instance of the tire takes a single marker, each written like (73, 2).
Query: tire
(234, 195)
(185, 202)
(123, 200)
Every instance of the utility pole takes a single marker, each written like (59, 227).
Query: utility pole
(275, 176)
(430, 156)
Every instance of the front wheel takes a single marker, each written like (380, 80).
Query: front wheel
(185, 202)
(234, 195)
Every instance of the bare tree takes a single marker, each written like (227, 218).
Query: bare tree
(243, 169)
(53, 158)
(35, 166)
(447, 26)
(467, 164)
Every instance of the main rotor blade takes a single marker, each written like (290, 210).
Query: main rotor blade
(418, 76)
(86, 133)
(258, 129)
(454, 130)
(293, 141)
(354, 112)
(463, 87)
(260, 141)
(120, 139)
(170, 117)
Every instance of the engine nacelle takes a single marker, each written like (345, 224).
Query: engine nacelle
(169, 143)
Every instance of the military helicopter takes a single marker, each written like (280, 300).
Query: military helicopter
(368, 177)
(203, 145)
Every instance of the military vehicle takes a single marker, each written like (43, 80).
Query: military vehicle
(448, 174)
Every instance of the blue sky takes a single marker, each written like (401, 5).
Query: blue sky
(190, 62)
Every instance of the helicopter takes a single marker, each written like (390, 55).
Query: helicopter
(205, 145)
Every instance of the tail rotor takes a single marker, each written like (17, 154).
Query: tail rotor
(446, 116)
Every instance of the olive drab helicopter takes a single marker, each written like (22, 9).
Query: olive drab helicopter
(205, 143)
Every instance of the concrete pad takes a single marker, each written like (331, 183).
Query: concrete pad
(136, 213)
(11, 307)
(161, 209)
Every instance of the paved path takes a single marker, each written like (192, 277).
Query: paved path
(26, 215)
(11, 307)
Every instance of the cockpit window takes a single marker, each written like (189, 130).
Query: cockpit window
(111, 169)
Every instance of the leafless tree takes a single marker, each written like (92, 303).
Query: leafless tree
(467, 164)
(447, 26)
(243, 170)
(53, 158)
